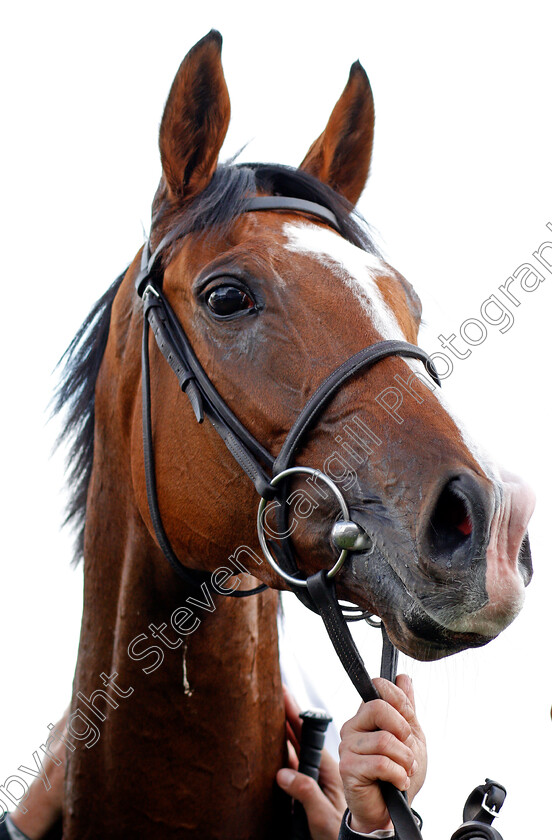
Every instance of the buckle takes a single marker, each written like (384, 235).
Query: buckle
(492, 809)
(493, 798)
(152, 290)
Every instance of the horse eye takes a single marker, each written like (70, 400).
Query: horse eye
(229, 300)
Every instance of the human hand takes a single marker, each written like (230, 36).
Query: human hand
(384, 741)
(324, 802)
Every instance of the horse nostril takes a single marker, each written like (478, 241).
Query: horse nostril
(454, 531)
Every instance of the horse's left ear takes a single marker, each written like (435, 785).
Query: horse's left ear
(195, 120)
(341, 155)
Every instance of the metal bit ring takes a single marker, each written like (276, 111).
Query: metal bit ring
(260, 523)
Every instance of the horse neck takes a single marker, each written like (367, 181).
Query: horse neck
(194, 731)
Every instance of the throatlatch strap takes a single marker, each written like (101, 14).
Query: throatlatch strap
(322, 592)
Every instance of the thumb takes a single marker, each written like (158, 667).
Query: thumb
(302, 788)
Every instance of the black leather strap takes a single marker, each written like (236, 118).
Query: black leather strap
(189, 577)
(296, 205)
(476, 831)
(484, 802)
(322, 592)
(177, 351)
(361, 361)
(482, 806)
(389, 657)
(365, 358)
(154, 315)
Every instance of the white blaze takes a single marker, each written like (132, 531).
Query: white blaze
(356, 268)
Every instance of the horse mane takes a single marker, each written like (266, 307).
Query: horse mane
(75, 397)
(215, 208)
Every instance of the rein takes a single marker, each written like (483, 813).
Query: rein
(269, 475)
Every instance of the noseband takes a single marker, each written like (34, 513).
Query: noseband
(268, 474)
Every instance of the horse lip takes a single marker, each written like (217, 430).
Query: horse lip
(411, 628)
(415, 632)
(433, 640)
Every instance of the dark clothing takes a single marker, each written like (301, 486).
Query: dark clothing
(55, 833)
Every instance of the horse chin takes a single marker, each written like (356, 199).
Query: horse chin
(421, 637)
(409, 624)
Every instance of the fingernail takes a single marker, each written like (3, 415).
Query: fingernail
(285, 777)
(406, 784)
(413, 768)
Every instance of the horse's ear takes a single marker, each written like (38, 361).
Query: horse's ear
(195, 120)
(341, 155)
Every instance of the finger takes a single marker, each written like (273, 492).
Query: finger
(404, 682)
(329, 769)
(380, 743)
(292, 713)
(378, 714)
(330, 781)
(396, 697)
(305, 790)
(358, 771)
(292, 737)
(329, 772)
(293, 761)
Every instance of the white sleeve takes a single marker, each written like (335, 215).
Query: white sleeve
(380, 834)
(13, 831)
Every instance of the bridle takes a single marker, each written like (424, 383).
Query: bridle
(268, 474)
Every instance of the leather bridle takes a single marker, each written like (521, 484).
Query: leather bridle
(266, 472)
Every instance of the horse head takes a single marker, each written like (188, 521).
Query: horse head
(272, 302)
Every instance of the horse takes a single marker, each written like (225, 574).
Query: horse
(177, 724)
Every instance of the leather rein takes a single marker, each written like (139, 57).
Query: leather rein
(268, 474)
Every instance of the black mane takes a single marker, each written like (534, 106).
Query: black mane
(75, 396)
(216, 207)
(232, 185)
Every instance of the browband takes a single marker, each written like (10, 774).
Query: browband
(260, 202)
(297, 205)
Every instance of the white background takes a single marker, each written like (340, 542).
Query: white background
(460, 195)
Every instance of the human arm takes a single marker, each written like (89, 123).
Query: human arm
(44, 800)
(324, 802)
(383, 741)
(367, 755)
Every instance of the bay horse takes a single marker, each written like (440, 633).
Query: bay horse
(177, 726)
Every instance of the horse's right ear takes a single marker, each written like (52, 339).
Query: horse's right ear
(195, 120)
(341, 156)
